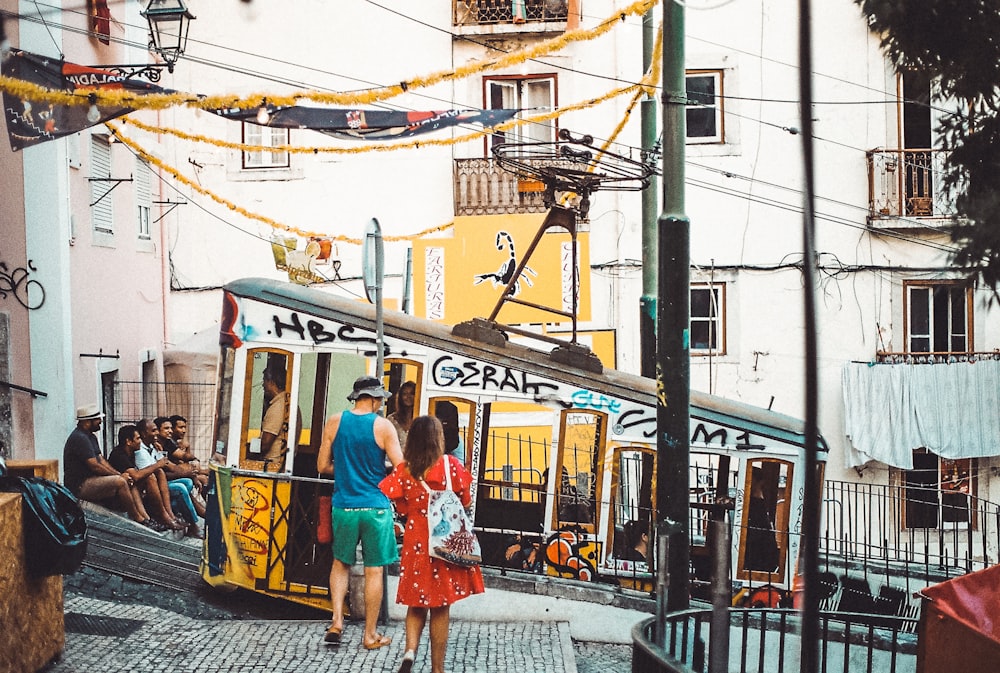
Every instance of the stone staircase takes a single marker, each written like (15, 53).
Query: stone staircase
(117, 545)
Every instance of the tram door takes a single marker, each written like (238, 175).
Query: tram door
(306, 562)
(763, 549)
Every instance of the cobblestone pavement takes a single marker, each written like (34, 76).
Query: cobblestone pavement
(115, 624)
(602, 657)
(116, 638)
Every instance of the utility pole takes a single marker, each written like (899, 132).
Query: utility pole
(650, 210)
(673, 373)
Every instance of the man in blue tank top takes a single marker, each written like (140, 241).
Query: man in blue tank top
(357, 442)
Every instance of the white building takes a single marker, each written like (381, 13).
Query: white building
(885, 283)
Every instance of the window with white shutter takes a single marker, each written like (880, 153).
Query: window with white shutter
(101, 210)
(143, 198)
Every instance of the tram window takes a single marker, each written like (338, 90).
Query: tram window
(517, 439)
(399, 378)
(581, 439)
(224, 403)
(457, 417)
(633, 482)
(266, 404)
(765, 519)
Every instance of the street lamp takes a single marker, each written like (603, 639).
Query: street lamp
(169, 21)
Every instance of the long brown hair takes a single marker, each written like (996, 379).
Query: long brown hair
(424, 445)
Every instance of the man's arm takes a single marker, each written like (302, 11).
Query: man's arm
(266, 440)
(388, 440)
(142, 473)
(175, 470)
(324, 458)
(100, 467)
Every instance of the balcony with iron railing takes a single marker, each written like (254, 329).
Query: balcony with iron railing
(509, 15)
(885, 357)
(482, 187)
(905, 189)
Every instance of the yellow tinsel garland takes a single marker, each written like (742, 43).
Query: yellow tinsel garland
(383, 147)
(160, 101)
(180, 177)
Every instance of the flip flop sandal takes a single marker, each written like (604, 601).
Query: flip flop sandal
(380, 641)
(407, 663)
(332, 636)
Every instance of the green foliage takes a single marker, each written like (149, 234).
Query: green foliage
(956, 40)
(957, 43)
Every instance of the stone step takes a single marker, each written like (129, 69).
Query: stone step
(118, 545)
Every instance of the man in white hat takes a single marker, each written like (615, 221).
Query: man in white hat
(358, 441)
(89, 476)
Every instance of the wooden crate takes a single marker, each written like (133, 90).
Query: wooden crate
(48, 469)
(31, 609)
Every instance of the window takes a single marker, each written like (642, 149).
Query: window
(143, 198)
(582, 437)
(534, 94)
(265, 136)
(632, 482)
(704, 109)
(939, 317)
(708, 328)
(101, 184)
(764, 517)
(266, 429)
(937, 491)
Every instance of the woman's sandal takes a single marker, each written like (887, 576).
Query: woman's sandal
(332, 636)
(380, 641)
(407, 663)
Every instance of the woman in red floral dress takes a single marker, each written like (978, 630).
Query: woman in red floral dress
(426, 583)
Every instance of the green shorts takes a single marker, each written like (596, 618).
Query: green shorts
(373, 528)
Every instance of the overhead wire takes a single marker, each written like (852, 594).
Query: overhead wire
(563, 109)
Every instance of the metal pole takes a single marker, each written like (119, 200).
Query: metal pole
(673, 308)
(811, 495)
(407, 281)
(722, 594)
(650, 209)
(647, 303)
(373, 270)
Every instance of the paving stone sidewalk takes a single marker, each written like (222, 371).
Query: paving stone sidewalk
(112, 637)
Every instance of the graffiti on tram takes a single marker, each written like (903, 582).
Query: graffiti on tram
(250, 520)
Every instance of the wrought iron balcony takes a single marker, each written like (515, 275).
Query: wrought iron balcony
(905, 188)
(482, 187)
(884, 357)
(512, 12)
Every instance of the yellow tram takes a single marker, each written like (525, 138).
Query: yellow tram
(564, 459)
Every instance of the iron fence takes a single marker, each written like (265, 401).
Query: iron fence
(129, 401)
(766, 641)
